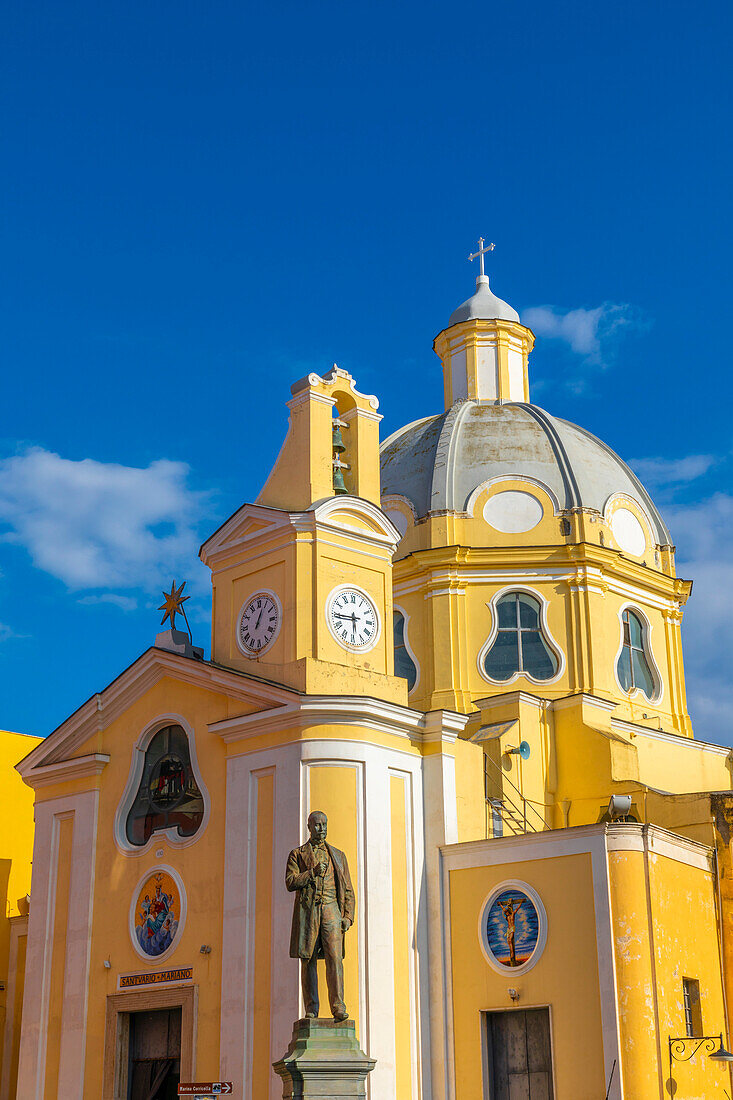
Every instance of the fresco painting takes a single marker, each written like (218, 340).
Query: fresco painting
(157, 913)
(512, 928)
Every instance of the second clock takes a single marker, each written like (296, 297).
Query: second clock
(353, 618)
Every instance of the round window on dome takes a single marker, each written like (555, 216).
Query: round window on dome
(513, 512)
(628, 532)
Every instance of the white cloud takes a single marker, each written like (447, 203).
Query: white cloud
(101, 525)
(125, 603)
(587, 332)
(7, 632)
(664, 472)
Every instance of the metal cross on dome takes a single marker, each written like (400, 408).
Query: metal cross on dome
(481, 253)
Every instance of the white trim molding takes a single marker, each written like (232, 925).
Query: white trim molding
(345, 710)
(137, 766)
(544, 627)
(78, 767)
(511, 480)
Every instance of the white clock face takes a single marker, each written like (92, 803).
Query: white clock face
(259, 623)
(352, 618)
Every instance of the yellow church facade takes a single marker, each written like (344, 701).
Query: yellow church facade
(463, 644)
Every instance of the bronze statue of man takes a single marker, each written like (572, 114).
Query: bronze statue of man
(323, 912)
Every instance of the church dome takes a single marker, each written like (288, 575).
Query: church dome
(483, 305)
(437, 462)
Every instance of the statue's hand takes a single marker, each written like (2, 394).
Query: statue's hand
(345, 924)
(321, 868)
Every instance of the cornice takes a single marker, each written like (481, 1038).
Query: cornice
(311, 522)
(654, 588)
(677, 739)
(341, 710)
(276, 517)
(561, 556)
(582, 698)
(614, 836)
(492, 701)
(79, 767)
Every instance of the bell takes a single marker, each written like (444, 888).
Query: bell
(338, 441)
(339, 486)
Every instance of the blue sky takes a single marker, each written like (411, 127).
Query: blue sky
(203, 202)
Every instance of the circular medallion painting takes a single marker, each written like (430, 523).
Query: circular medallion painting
(158, 912)
(513, 927)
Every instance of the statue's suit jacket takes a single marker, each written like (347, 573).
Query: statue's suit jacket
(306, 914)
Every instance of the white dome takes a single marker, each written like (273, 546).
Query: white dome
(436, 463)
(483, 306)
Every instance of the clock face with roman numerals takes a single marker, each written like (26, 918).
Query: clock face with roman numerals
(352, 618)
(259, 623)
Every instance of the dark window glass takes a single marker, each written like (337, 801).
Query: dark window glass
(633, 668)
(520, 645)
(692, 1006)
(168, 795)
(404, 665)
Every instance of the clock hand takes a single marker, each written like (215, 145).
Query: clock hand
(351, 616)
(259, 617)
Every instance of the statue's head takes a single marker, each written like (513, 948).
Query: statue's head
(318, 826)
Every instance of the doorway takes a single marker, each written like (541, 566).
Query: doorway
(154, 1068)
(519, 1055)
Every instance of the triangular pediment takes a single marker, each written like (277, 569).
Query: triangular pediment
(74, 736)
(249, 523)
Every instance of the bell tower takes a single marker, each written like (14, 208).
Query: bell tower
(302, 579)
(331, 447)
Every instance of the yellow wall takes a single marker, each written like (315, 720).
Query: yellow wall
(665, 929)
(16, 850)
(117, 874)
(442, 579)
(471, 804)
(566, 976)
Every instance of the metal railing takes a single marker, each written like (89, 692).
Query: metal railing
(517, 813)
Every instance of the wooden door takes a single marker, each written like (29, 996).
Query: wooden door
(519, 1055)
(155, 1055)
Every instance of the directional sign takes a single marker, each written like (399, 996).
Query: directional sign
(205, 1090)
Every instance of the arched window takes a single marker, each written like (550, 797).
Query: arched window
(633, 668)
(520, 645)
(168, 795)
(404, 665)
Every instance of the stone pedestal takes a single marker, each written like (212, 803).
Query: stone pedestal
(177, 641)
(324, 1061)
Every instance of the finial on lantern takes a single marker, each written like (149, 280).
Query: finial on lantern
(481, 253)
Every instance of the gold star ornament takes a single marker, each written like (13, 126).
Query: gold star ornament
(174, 601)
